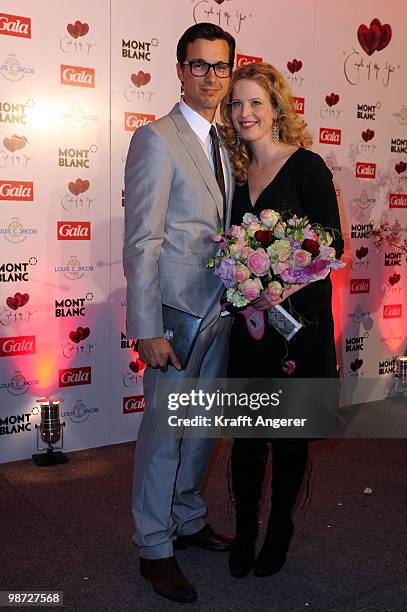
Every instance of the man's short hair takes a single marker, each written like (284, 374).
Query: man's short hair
(207, 31)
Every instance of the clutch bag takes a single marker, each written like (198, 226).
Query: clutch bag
(181, 329)
(283, 322)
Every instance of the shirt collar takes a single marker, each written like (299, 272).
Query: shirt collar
(198, 123)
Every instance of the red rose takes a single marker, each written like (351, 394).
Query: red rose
(265, 237)
(311, 246)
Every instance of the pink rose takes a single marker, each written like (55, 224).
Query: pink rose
(241, 273)
(217, 237)
(289, 367)
(274, 289)
(327, 252)
(258, 262)
(252, 228)
(245, 252)
(269, 217)
(278, 268)
(251, 288)
(236, 231)
(302, 258)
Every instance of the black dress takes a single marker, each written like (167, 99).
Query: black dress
(303, 186)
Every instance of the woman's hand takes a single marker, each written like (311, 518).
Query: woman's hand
(264, 302)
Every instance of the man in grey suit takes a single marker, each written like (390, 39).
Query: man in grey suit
(178, 193)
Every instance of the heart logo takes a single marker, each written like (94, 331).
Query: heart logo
(394, 279)
(137, 366)
(362, 252)
(18, 301)
(80, 334)
(376, 37)
(79, 186)
(15, 143)
(140, 78)
(294, 66)
(400, 167)
(77, 29)
(219, 1)
(332, 99)
(355, 365)
(367, 135)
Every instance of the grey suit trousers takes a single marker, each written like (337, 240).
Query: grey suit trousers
(168, 472)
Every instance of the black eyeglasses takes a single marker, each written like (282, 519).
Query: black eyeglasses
(200, 68)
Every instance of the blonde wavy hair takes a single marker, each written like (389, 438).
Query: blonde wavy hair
(292, 129)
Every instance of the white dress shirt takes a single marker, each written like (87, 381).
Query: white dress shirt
(201, 127)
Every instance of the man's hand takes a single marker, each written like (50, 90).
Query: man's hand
(264, 302)
(156, 352)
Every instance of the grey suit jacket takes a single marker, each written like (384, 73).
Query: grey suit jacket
(173, 206)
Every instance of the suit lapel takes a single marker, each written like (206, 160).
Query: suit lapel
(191, 142)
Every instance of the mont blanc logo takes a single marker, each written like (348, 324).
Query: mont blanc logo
(133, 403)
(398, 145)
(73, 230)
(367, 111)
(13, 70)
(15, 25)
(365, 170)
(72, 307)
(359, 285)
(393, 259)
(17, 191)
(138, 49)
(75, 158)
(12, 272)
(387, 366)
(17, 345)
(361, 230)
(15, 112)
(133, 121)
(72, 377)
(15, 232)
(242, 60)
(330, 136)
(15, 423)
(78, 76)
(355, 343)
(127, 343)
(79, 413)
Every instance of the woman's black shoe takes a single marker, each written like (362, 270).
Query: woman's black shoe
(273, 553)
(242, 556)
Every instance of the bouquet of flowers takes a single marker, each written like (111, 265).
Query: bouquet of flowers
(271, 254)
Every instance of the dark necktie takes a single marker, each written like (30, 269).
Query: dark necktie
(218, 167)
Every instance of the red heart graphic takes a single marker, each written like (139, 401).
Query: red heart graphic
(140, 78)
(19, 300)
(80, 334)
(362, 252)
(369, 38)
(79, 186)
(137, 366)
(385, 33)
(355, 365)
(219, 1)
(367, 135)
(332, 99)
(77, 29)
(400, 167)
(294, 66)
(15, 143)
(394, 279)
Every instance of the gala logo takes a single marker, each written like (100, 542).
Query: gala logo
(132, 121)
(19, 191)
(79, 76)
(72, 377)
(360, 285)
(73, 230)
(13, 25)
(299, 105)
(17, 345)
(330, 136)
(133, 403)
(366, 170)
(398, 200)
(242, 60)
(392, 311)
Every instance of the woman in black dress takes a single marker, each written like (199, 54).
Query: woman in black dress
(266, 141)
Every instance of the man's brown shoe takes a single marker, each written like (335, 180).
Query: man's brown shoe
(205, 538)
(167, 579)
